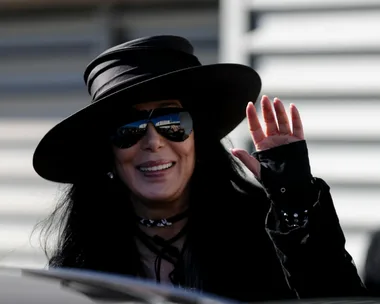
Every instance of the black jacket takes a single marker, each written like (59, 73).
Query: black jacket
(254, 247)
(291, 247)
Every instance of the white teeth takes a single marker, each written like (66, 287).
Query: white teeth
(156, 168)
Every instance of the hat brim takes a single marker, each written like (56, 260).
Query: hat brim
(221, 91)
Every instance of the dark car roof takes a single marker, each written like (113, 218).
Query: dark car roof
(58, 286)
(69, 286)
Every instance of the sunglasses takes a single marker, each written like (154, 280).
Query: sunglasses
(174, 124)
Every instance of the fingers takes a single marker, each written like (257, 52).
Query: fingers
(248, 160)
(269, 117)
(296, 122)
(282, 117)
(254, 125)
(276, 121)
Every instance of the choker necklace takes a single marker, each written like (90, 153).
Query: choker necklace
(166, 222)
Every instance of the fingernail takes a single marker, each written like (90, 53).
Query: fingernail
(234, 152)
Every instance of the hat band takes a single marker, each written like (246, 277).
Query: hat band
(115, 74)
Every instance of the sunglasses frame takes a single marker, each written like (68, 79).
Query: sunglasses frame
(152, 116)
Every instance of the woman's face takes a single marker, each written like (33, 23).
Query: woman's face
(155, 168)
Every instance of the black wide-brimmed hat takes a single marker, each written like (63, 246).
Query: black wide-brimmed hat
(142, 70)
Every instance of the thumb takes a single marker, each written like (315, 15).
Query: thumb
(248, 160)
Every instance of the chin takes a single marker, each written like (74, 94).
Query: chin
(158, 197)
(164, 192)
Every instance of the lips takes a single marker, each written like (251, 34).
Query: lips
(155, 166)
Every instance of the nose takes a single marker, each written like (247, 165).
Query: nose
(152, 141)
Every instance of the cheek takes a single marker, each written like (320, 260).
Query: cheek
(124, 161)
(186, 153)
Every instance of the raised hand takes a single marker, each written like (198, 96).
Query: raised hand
(278, 130)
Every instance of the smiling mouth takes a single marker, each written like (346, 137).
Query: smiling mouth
(156, 168)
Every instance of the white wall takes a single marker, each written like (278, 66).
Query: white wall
(324, 56)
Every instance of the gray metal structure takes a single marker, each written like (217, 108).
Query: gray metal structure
(324, 56)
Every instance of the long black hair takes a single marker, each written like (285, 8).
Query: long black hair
(92, 226)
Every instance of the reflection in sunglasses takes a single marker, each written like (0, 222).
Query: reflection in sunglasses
(173, 126)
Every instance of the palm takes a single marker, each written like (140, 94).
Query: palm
(278, 130)
(275, 141)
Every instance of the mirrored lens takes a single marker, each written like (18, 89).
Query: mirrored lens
(129, 134)
(176, 126)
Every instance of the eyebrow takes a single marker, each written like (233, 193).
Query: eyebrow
(166, 104)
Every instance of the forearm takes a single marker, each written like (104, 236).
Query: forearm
(304, 225)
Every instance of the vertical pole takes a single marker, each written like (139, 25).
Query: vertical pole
(233, 24)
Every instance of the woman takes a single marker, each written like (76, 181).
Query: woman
(153, 193)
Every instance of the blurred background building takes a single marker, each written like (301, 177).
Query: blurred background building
(322, 55)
